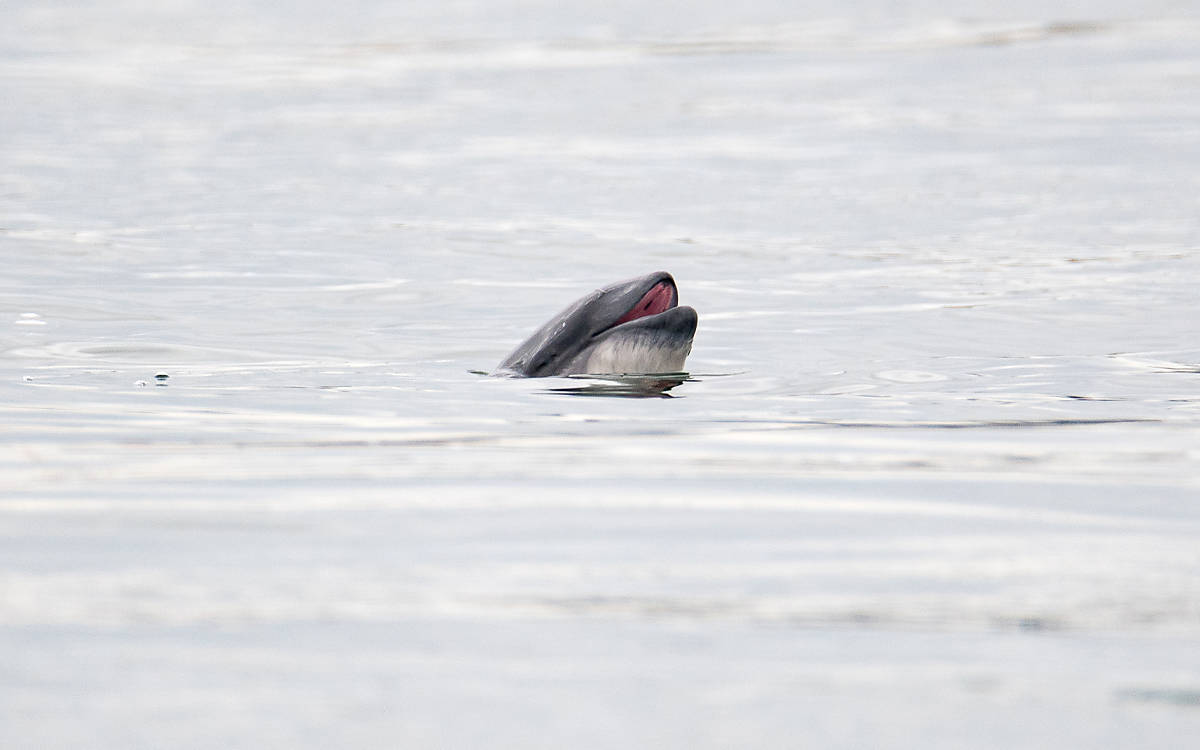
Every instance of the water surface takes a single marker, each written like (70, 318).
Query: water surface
(932, 481)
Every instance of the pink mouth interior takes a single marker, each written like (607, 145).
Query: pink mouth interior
(657, 300)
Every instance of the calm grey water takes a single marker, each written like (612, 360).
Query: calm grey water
(935, 481)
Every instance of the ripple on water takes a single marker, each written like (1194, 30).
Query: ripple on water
(910, 376)
(137, 353)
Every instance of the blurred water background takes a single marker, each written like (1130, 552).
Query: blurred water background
(934, 482)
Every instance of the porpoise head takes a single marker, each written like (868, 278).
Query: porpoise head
(630, 327)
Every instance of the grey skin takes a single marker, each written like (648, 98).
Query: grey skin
(584, 338)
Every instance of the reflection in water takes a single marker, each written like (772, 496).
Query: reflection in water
(624, 386)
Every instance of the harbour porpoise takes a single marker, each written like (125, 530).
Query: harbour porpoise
(630, 327)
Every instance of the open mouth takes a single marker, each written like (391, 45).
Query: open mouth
(636, 326)
(661, 297)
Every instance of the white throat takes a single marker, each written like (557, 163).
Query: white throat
(640, 355)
